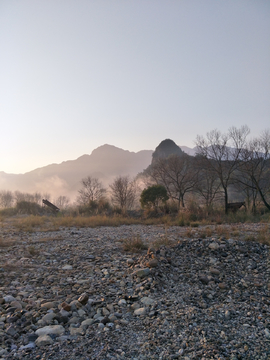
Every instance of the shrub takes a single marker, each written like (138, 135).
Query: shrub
(135, 244)
(30, 208)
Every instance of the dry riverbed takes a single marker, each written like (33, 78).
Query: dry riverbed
(200, 293)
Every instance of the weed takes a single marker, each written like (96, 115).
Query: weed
(207, 232)
(6, 243)
(160, 241)
(249, 238)
(222, 231)
(33, 251)
(135, 244)
(188, 233)
(264, 235)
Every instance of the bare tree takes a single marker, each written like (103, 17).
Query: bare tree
(92, 190)
(124, 191)
(223, 152)
(6, 198)
(208, 186)
(177, 174)
(254, 173)
(62, 202)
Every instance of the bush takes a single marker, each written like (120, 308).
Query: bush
(30, 208)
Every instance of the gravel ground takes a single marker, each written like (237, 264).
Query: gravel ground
(76, 294)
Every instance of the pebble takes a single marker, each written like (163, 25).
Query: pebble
(83, 297)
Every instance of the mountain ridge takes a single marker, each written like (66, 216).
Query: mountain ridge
(105, 162)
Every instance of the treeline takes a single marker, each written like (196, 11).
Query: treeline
(92, 198)
(227, 168)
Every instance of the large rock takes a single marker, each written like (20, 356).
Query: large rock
(51, 329)
(44, 340)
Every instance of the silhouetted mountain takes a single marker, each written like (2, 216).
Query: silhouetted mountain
(106, 162)
(166, 148)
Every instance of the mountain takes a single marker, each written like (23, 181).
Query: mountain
(166, 148)
(106, 162)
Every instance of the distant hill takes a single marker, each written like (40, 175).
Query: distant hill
(106, 162)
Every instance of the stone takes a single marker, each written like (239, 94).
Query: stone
(213, 246)
(51, 329)
(9, 299)
(148, 301)
(49, 305)
(83, 299)
(122, 302)
(141, 273)
(67, 267)
(48, 318)
(66, 306)
(140, 311)
(44, 340)
(267, 333)
(204, 279)
(16, 304)
(152, 263)
(87, 322)
(11, 331)
(76, 331)
(222, 286)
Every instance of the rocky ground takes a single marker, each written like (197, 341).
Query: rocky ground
(76, 294)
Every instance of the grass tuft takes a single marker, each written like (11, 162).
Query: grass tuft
(135, 244)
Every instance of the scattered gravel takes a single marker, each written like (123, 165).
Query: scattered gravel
(75, 294)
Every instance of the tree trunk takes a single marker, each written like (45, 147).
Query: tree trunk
(261, 193)
(226, 200)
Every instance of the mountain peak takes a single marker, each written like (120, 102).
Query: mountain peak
(166, 148)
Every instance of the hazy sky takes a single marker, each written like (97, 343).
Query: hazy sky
(76, 74)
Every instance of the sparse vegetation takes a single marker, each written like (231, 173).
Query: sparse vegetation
(134, 244)
(33, 251)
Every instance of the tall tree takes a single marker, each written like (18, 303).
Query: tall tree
(177, 174)
(92, 190)
(254, 173)
(223, 152)
(123, 191)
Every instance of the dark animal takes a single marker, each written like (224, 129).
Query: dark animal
(233, 207)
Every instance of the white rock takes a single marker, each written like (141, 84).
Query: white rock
(140, 311)
(51, 329)
(213, 246)
(67, 267)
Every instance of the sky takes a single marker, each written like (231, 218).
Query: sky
(77, 74)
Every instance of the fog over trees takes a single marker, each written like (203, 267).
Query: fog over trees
(228, 167)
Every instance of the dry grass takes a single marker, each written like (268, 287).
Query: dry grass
(264, 235)
(135, 244)
(30, 223)
(222, 231)
(161, 241)
(6, 242)
(206, 232)
(33, 251)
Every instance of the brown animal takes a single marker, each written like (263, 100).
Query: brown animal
(233, 207)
